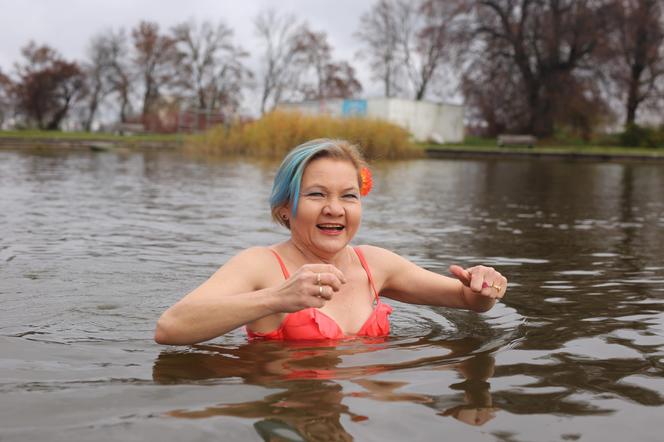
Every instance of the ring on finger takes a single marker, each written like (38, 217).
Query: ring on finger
(496, 286)
(320, 290)
(318, 278)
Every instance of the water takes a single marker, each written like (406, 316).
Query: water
(95, 246)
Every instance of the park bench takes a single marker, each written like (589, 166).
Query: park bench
(129, 128)
(516, 140)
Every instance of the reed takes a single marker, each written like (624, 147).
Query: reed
(277, 132)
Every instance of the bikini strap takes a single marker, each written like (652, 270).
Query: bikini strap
(281, 263)
(366, 269)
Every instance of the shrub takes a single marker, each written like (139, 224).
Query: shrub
(640, 136)
(278, 132)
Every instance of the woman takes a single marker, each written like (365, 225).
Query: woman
(315, 285)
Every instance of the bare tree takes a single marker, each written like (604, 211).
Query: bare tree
(6, 102)
(639, 44)
(493, 110)
(97, 71)
(340, 81)
(278, 75)
(379, 35)
(120, 76)
(209, 66)
(314, 53)
(331, 79)
(428, 40)
(409, 42)
(154, 55)
(545, 42)
(47, 86)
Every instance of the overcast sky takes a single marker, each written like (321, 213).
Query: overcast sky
(68, 25)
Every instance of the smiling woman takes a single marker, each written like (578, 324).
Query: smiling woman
(315, 285)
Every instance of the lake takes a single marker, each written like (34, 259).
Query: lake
(96, 245)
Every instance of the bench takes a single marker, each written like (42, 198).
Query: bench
(129, 129)
(516, 140)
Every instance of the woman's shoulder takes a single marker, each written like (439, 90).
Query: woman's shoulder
(256, 255)
(255, 265)
(255, 260)
(378, 255)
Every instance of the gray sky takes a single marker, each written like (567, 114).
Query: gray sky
(68, 25)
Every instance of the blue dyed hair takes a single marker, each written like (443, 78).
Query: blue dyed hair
(286, 187)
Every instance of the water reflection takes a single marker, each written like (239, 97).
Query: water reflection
(309, 378)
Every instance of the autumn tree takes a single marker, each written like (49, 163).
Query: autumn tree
(540, 47)
(209, 66)
(492, 110)
(340, 81)
(154, 56)
(322, 76)
(6, 105)
(47, 86)
(638, 46)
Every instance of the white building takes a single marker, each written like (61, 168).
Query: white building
(426, 121)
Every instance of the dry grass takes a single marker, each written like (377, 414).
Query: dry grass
(276, 133)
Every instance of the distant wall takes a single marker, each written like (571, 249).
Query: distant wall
(426, 121)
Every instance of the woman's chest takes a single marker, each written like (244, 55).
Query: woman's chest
(352, 304)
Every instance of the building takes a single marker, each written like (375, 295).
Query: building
(426, 121)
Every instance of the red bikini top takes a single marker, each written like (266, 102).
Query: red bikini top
(313, 324)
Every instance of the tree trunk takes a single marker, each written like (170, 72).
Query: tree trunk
(637, 68)
(632, 102)
(92, 110)
(388, 82)
(54, 124)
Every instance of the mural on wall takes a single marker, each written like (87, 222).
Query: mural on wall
(354, 108)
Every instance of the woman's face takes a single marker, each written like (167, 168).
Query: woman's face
(329, 210)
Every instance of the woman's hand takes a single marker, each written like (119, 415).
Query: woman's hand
(480, 281)
(310, 286)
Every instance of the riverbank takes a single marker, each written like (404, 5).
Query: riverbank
(101, 142)
(590, 153)
(87, 140)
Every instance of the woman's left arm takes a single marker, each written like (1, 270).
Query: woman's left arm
(476, 288)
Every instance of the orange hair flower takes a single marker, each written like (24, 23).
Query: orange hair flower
(367, 181)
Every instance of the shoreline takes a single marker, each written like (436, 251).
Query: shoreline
(91, 143)
(103, 143)
(538, 153)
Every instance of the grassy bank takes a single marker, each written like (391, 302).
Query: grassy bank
(276, 133)
(87, 136)
(273, 135)
(489, 145)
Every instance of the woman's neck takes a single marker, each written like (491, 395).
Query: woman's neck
(338, 259)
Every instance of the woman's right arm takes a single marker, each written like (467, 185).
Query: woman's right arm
(228, 299)
(240, 293)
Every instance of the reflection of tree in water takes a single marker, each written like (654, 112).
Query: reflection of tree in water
(602, 236)
(309, 409)
(310, 405)
(473, 406)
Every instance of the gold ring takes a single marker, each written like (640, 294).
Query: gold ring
(320, 290)
(318, 278)
(497, 287)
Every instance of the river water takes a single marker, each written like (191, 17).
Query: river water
(95, 245)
